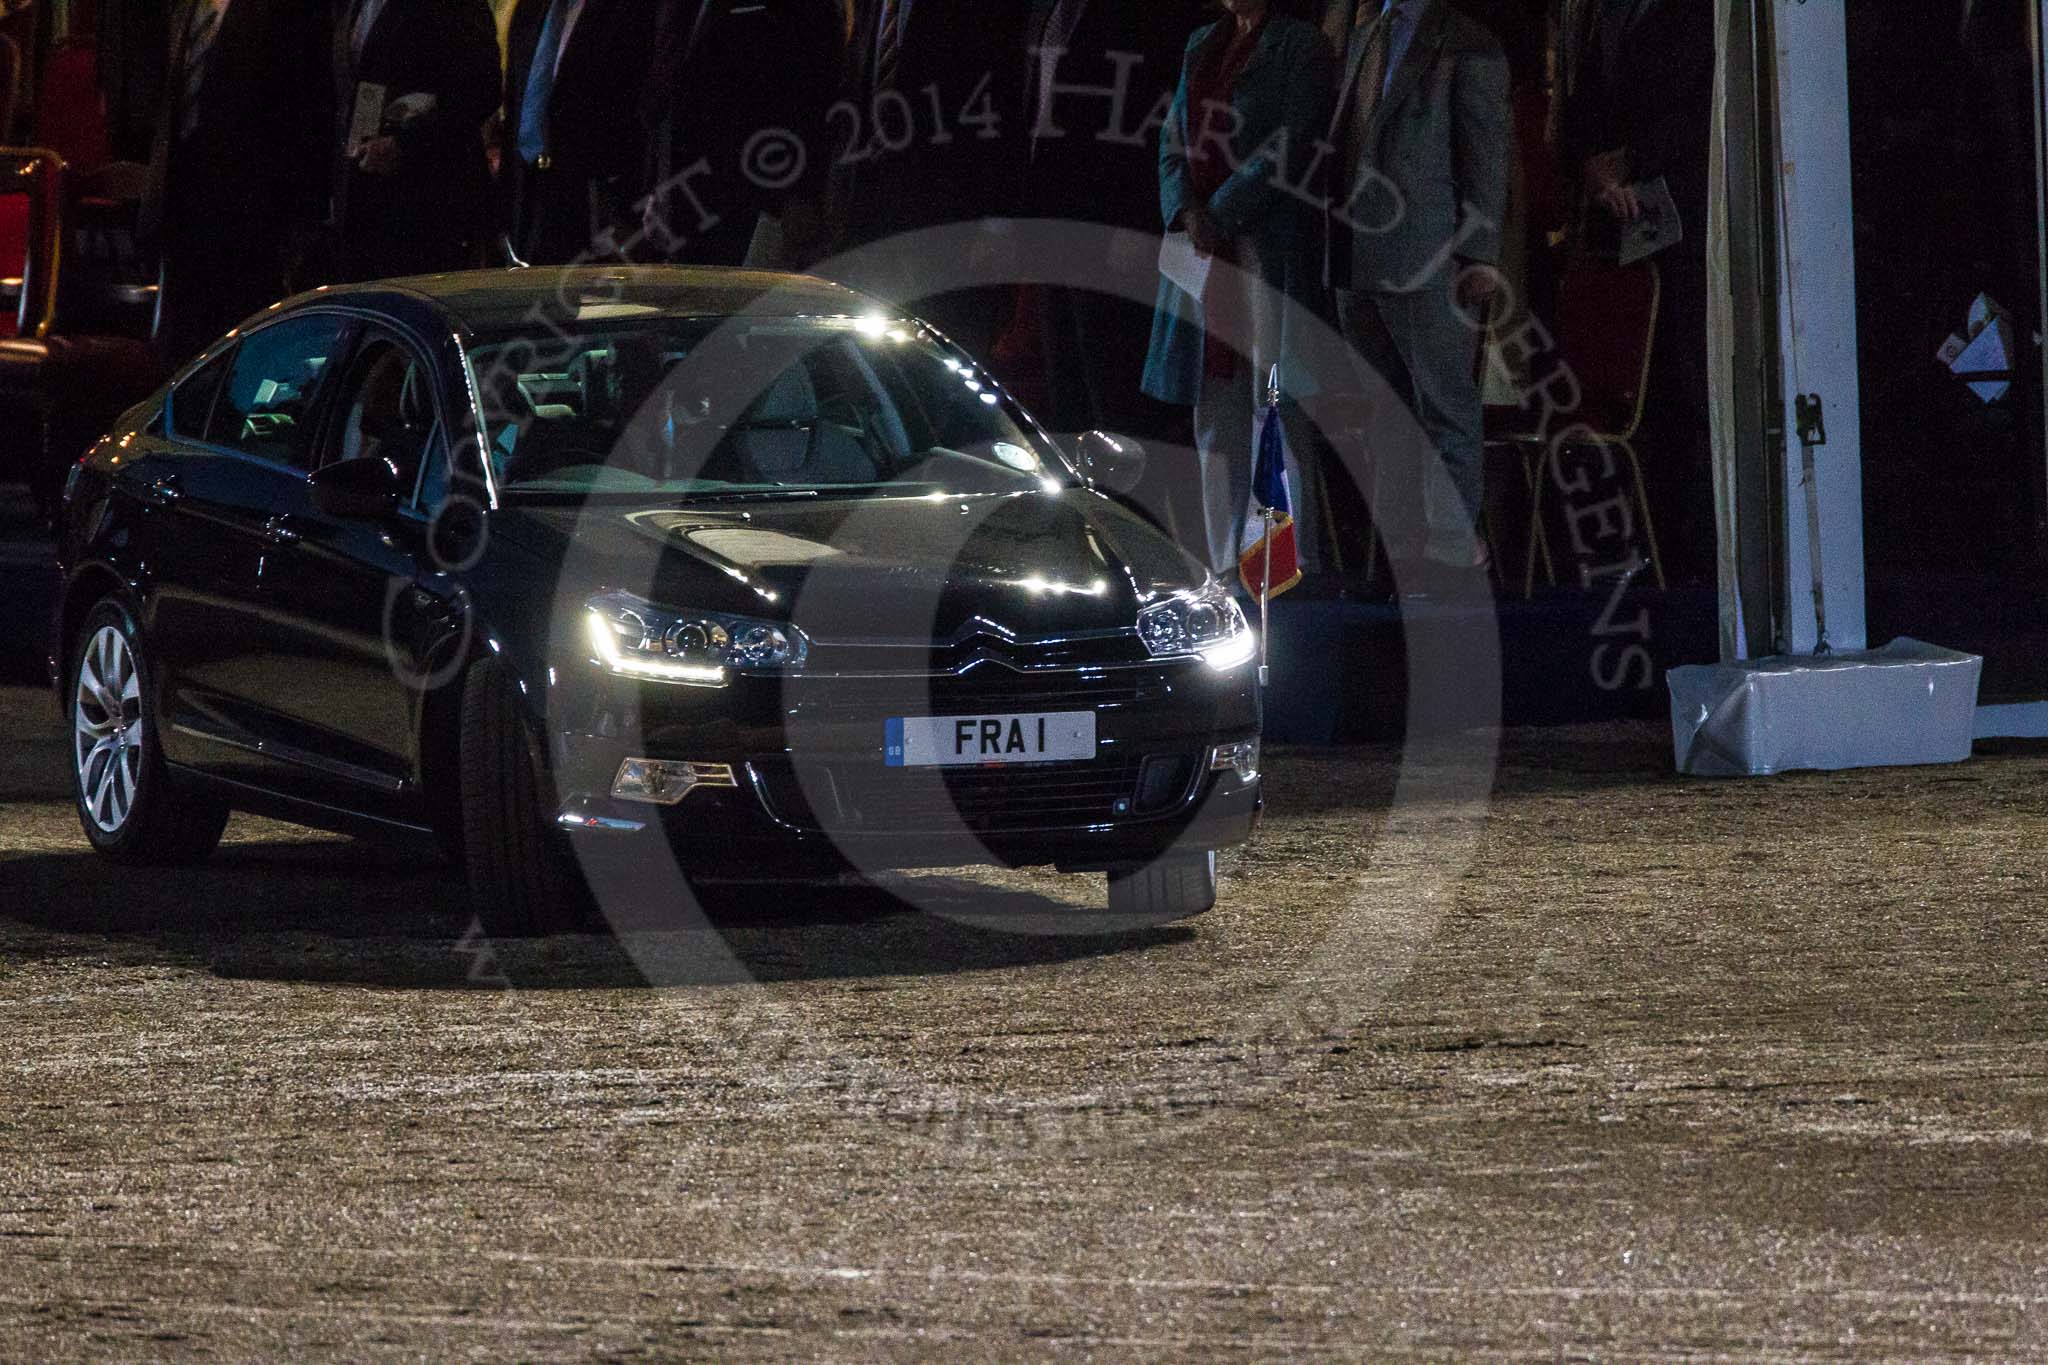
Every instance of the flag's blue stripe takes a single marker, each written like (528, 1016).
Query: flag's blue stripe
(1269, 477)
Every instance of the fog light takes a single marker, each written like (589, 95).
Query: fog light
(663, 782)
(1241, 758)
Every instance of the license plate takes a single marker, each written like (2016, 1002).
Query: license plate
(949, 741)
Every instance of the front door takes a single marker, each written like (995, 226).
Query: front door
(348, 616)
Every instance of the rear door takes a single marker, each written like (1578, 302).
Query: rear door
(198, 560)
(243, 429)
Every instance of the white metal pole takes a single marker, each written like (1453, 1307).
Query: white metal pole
(1265, 595)
(1817, 321)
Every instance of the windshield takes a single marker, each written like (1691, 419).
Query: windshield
(740, 407)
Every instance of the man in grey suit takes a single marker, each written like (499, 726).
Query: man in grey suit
(1424, 145)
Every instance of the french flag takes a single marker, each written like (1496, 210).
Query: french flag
(1269, 562)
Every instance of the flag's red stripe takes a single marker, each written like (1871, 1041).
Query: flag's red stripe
(1286, 564)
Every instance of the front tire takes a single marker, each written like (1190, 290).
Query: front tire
(127, 803)
(523, 880)
(1175, 886)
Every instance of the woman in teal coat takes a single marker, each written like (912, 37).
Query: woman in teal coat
(1238, 142)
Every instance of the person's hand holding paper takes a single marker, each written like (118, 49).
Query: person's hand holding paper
(1607, 180)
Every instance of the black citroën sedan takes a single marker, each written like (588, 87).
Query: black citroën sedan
(549, 563)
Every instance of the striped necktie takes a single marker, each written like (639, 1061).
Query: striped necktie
(1379, 51)
(889, 45)
(1060, 27)
(367, 14)
(532, 137)
(1372, 76)
(203, 29)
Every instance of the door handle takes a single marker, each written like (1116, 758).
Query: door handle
(279, 531)
(162, 491)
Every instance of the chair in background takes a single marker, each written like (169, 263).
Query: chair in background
(1604, 335)
(109, 285)
(70, 110)
(32, 187)
(60, 387)
(10, 84)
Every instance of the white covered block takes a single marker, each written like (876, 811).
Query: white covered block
(1906, 703)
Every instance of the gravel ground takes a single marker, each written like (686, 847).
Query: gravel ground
(1614, 1065)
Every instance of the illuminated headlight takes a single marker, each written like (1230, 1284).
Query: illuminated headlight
(633, 637)
(1204, 621)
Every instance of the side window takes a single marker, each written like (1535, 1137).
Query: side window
(267, 408)
(433, 489)
(384, 409)
(192, 401)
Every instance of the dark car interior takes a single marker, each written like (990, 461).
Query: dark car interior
(259, 395)
(617, 417)
(390, 412)
(809, 427)
(314, 390)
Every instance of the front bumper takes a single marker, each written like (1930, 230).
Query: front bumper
(724, 836)
(812, 791)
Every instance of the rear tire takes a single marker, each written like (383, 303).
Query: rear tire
(1174, 887)
(523, 880)
(127, 802)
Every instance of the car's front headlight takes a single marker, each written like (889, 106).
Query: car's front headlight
(1205, 622)
(635, 638)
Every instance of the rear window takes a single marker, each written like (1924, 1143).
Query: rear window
(273, 386)
(192, 401)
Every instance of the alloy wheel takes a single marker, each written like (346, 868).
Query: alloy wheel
(107, 729)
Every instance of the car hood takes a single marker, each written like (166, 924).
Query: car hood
(1030, 565)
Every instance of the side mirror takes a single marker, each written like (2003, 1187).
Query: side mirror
(364, 489)
(1115, 462)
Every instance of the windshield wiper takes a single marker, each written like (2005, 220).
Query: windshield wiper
(753, 495)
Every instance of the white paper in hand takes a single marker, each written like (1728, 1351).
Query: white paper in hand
(368, 118)
(406, 108)
(1182, 264)
(1658, 227)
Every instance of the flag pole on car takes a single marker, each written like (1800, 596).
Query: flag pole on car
(1269, 560)
(1265, 601)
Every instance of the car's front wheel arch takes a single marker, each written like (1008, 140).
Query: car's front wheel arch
(522, 874)
(438, 719)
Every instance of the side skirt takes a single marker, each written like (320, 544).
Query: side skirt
(272, 805)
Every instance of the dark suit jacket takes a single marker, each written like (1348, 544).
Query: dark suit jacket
(1437, 156)
(1647, 84)
(135, 46)
(257, 156)
(1081, 175)
(428, 215)
(595, 152)
(968, 50)
(723, 71)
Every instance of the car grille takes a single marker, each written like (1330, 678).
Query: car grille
(988, 690)
(972, 649)
(866, 797)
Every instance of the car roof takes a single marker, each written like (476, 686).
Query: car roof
(496, 300)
